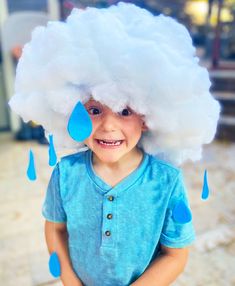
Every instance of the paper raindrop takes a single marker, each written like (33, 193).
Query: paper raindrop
(181, 213)
(54, 265)
(205, 188)
(79, 125)
(31, 173)
(51, 151)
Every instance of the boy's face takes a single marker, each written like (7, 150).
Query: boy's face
(114, 135)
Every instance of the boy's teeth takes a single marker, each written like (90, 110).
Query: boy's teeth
(110, 143)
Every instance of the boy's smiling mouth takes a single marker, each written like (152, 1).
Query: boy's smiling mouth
(109, 143)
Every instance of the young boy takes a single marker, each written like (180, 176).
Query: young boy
(108, 209)
(112, 212)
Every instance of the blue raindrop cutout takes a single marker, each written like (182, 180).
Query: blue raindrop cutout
(54, 265)
(52, 153)
(79, 125)
(181, 213)
(31, 173)
(205, 188)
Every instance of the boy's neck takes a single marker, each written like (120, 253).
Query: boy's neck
(113, 173)
(134, 157)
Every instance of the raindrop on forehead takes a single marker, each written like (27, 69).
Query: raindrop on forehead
(79, 125)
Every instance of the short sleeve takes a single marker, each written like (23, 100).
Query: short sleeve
(52, 208)
(177, 234)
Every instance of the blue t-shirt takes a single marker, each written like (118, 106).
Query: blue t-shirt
(115, 232)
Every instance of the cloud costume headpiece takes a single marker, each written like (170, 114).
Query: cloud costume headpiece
(121, 56)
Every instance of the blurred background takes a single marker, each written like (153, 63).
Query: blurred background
(23, 253)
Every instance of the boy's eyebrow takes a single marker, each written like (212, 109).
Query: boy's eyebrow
(92, 101)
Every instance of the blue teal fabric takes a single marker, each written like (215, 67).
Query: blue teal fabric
(141, 207)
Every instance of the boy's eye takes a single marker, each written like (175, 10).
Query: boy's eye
(125, 112)
(94, 111)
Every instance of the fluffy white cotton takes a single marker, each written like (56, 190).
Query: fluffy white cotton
(121, 56)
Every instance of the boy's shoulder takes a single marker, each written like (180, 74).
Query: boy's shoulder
(159, 166)
(76, 158)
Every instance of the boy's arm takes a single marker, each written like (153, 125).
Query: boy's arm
(57, 240)
(164, 269)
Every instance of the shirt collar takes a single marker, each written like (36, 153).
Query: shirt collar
(124, 184)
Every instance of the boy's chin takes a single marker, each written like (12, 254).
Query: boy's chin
(108, 158)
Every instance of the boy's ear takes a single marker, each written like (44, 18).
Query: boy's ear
(144, 127)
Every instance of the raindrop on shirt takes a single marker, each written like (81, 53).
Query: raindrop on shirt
(51, 151)
(31, 173)
(181, 213)
(79, 124)
(54, 265)
(205, 188)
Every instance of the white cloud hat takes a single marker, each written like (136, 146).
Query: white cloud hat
(122, 55)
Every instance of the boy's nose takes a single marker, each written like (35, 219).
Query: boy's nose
(109, 122)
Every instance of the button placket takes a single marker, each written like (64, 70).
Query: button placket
(110, 198)
(109, 216)
(108, 224)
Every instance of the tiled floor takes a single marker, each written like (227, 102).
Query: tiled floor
(23, 253)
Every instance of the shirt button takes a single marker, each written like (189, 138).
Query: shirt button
(109, 216)
(110, 198)
(107, 233)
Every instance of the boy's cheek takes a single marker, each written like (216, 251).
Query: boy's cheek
(89, 141)
(86, 142)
